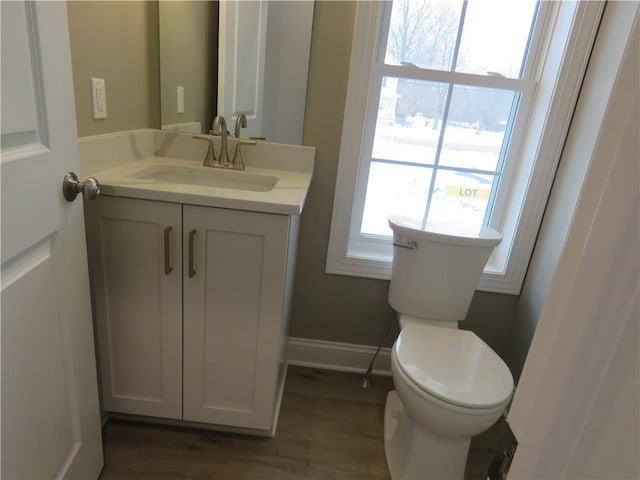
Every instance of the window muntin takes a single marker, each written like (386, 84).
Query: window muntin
(438, 147)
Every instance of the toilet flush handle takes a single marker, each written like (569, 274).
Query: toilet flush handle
(411, 245)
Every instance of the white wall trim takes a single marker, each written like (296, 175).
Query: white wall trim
(519, 213)
(343, 357)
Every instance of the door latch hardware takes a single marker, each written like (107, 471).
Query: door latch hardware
(71, 187)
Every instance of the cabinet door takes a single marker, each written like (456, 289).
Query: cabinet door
(137, 303)
(233, 307)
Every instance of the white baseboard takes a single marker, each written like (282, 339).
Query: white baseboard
(345, 357)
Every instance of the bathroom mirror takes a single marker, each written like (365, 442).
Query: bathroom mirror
(188, 51)
(235, 56)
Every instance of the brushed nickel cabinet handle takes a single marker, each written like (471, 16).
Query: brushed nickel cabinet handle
(192, 270)
(167, 251)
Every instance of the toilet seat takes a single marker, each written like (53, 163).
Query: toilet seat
(455, 366)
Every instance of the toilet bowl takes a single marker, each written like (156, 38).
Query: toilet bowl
(449, 384)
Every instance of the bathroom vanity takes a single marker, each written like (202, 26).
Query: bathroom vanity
(191, 277)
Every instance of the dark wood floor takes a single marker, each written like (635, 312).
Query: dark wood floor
(329, 428)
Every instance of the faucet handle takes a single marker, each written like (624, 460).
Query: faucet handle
(210, 158)
(237, 163)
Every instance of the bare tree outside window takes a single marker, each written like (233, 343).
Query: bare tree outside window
(422, 33)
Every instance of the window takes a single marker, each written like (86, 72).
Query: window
(464, 115)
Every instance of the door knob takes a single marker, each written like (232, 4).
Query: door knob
(71, 187)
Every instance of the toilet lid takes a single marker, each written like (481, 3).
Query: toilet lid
(453, 365)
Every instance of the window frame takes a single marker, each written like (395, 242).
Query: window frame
(561, 56)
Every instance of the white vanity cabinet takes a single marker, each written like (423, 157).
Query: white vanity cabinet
(191, 324)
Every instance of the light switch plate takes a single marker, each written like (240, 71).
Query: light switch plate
(99, 98)
(180, 99)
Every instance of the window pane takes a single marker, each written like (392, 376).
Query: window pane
(476, 125)
(409, 120)
(423, 32)
(460, 197)
(494, 36)
(393, 189)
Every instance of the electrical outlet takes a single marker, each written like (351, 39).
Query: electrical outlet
(99, 98)
(180, 99)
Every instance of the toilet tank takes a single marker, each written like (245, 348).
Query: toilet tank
(437, 267)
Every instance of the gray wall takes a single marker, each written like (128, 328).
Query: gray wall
(117, 41)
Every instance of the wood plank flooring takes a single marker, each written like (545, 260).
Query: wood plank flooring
(329, 428)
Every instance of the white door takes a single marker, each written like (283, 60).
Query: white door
(50, 412)
(241, 62)
(576, 409)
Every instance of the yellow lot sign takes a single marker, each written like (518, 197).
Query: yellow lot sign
(468, 192)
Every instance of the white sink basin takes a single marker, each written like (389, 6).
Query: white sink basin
(206, 177)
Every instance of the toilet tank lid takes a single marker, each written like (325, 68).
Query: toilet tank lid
(444, 232)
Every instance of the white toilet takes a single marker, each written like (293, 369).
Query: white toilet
(449, 384)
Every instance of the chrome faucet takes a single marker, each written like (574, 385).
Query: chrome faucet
(219, 127)
(241, 122)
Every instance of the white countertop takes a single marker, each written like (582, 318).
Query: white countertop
(286, 198)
